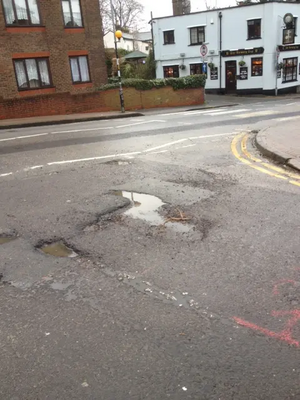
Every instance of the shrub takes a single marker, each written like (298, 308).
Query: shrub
(188, 82)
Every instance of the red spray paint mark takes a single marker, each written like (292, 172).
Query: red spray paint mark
(280, 283)
(285, 335)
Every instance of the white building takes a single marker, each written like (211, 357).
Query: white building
(141, 41)
(244, 44)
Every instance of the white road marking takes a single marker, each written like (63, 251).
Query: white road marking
(165, 145)
(209, 136)
(290, 104)
(23, 137)
(184, 147)
(257, 114)
(228, 112)
(287, 118)
(186, 114)
(92, 158)
(81, 130)
(6, 174)
(128, 155)
(140, 123)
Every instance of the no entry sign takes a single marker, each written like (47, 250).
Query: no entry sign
(203, 50)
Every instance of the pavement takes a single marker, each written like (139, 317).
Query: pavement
(281, 143)
(186, 280)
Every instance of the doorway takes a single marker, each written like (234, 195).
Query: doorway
(230, 76)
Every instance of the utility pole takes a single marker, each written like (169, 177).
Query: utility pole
(117, 35)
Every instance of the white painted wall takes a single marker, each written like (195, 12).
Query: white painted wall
(235, 33)
(126, 44)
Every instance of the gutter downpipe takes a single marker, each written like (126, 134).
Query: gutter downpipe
(220, 45)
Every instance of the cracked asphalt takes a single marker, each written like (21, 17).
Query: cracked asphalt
(206, 308)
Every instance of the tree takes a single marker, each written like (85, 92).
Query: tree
(126, 13)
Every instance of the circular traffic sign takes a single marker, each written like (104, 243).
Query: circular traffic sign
(203, 50)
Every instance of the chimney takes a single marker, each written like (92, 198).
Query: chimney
(181, 7)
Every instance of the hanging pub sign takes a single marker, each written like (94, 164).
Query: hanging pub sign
(242, 52)
(243, 73)
(214, 74)
(288, 36)
(289, 47)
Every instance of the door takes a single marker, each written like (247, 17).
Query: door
(230, 76)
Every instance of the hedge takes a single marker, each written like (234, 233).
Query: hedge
(188, 82)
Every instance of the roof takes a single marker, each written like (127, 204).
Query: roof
(141, 36)
(242, 5)
(135, 55)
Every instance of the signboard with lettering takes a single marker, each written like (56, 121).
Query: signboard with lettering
(243, 73)
(214, 74)
(242, 52)
(289, 47)
(278, 73)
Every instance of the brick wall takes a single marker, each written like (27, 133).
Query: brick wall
(67, 103)
(52, 37)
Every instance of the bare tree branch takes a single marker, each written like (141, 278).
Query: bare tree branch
(127, 14)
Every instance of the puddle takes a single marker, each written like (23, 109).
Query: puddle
(58, 249)
(145, 207)
(7, 239)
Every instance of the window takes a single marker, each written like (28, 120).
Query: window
(169, 37)
(197, 35)
(256, 66)
(80, 69)
(21, 12)
(196, 69)
(147, 48)
(290, 69)
(72, 13)
(171, 72)
(254, 29)
(33, 73)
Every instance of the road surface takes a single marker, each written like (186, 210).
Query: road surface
(185, 283)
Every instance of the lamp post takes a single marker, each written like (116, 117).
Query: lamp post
(118, 35)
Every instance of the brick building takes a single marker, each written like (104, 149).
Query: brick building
(50, 46)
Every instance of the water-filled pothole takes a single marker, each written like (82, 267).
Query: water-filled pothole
(58, 249)
(146, 207)
(7, 239)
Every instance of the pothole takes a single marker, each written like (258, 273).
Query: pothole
(146, 208)
(7, 239)
(58, 249)
(118, 162)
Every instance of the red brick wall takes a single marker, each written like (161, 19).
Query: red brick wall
(58, 42)
(66, 103)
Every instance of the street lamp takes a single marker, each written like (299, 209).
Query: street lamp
(118, 35)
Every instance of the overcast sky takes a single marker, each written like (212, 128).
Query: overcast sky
(162, 8)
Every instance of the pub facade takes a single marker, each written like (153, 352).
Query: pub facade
(250, 48)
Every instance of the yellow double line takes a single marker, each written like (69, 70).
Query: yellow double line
(240, 142)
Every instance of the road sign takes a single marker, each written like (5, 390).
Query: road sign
(203, 50)
(204, 68)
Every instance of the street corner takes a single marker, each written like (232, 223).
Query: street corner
(244, 148)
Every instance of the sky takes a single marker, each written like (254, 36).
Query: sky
(162, 8)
